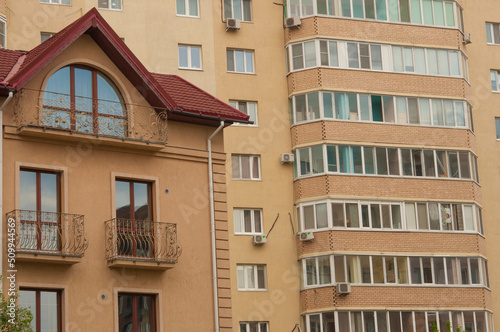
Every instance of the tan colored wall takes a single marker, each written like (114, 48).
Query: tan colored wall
(429, 243)
(392, 135)
(397, 297)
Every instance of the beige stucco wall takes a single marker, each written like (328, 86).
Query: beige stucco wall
(89, 166)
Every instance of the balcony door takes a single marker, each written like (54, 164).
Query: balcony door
(134, 211)
(40, 205)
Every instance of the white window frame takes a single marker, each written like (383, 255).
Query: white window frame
(242, 11)
(239, 218)
(497, 80)
(3, 39)
(236, 104)
(109, 6)
(186, 9)
(259, 324)
(56, 2)
(189, 49)
(245, 64)
(254, 268)
(251, 167)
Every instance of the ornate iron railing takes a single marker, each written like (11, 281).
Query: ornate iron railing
(49, 233)
(36, 108)
(141, 240)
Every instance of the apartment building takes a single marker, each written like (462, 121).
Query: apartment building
(385, 219)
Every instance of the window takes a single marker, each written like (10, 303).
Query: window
(187, 8)
(40, 203)
(247, 221)
(45, 305)
(414, 59)
(497, 126)
(60, 2)
(110, 4)
(364, 56)
(247, 107)
(396, 270)
(493, 33)
(314, 53)
(239, 9)
(240, 61)
(45, 35)
(435, 12)
(495, 80)
(253, 327)
(134, 213)
(189, 57)
(83, 99)
(136, 312)
(3, 32)
(246, 167)
(251, 277)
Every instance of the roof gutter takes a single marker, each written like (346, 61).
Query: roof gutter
(5, 103)
(207, 117)
(212, 225)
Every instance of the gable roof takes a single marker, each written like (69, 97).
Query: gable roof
(18, 68)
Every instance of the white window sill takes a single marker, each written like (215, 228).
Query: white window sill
(187, 68)
(188, 16)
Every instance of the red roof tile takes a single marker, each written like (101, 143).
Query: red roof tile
(192, 99)
(8, 59)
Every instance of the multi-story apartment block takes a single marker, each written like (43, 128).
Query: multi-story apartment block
(362, 195)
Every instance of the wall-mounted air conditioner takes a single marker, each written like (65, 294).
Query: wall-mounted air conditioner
(259, 239)
(306, 236)
(233, 24)
(287, 158)
(292, 22)
(343, 288)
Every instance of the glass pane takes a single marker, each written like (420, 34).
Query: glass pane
(369, 9)
(323, 49)
(432, 63)
(310, 54)
(415, 12)
(460, 112)
(413, 111)
(309, 217)
(439, 270)
(324, 270)
(249, 62)
(247, 221)
(454, 63)
(438, 13)
(142, 205)
(341, 104)
(27, 299)
(328, 322)
(381, 154)
(298, 57)
(317, 159)
(378, 270)
(408, 59)
(496, 33)
(395, 321)
(237, 9)
(307, 7)
(305, 165)
(313, 105)
(397, 57)
(353, 269)
(364, 107)
(427, 9)
(464, 165)
(411, 217)
(240, 271)
(369, 160)
(193, 7)
(338, 214)
(27, 191)
(230, 60)
(125, 311)
(356, 159)
(346, 8)
(364, 55)
(422, 216)
(396, 216)
(393, 156)
(401, 110)
(390, 270)
(353, 106)
(247, 12)
(331, 152)
(237, 215)
(468, 217)
(344, 321)
(430, 167)
(49, 192)
(402, 270)
(122, 193)
(437, 112)
(365, 269)
(427, 270)
(328, 105)
(425, 111)
(250, 276)
(311, 276)
(195, 57)
(489, 38)
(321, 215)
(386, 216)
(339, 268)
(417, 162)
(181, 8)
(381, 10)
(416, 277)
(239, 59)
(407, 320)
(393, 10)
(406, 162)
(314, 323)
(389, 115)
(344, 159)
(83, 89)
(404, 9)
(357, 8)
(300, 108)
(257, 221)
(450, 16)
(434, 216)
(352, 51)
(419, 60)
(334, 59)
(381, 321)
(145, 314)
(352, 215)
(474, 271)
(443, 65)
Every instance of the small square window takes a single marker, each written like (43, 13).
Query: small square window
(246, 167)
(238, 9)
(240, 61)
(187, 8)
(493, 33)
(110, 4)
(189, 57)
(247, 221)
(247, 107)
(44, 36)
(251, 277)
(495, 80)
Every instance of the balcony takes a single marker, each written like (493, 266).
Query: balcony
(48, 236)
(141, 244)
(45, 114)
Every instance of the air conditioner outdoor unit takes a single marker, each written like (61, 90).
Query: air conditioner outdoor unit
(306, 236)
(233, 24)
(343, 288)
(292, 22)
(467, 38)
(259, 239)
(287, 158)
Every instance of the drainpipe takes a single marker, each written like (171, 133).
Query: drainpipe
(11, 94)
(212, 225)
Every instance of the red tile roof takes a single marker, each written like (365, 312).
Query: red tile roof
(185, 101)
(190, 98)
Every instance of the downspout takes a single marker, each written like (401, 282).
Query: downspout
(5, 103)
(212, 225)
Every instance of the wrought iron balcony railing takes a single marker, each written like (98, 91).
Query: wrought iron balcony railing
(36, 108)
(49, 233)
(141, 240)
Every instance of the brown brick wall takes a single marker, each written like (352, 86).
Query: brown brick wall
(370, 81)
(376, 31)
(401, 242)
(361, 132)
(397, 297)
(386, 187)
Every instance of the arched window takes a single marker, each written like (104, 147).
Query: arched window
(80, 98)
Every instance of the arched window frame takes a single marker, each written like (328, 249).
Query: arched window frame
(69, 103)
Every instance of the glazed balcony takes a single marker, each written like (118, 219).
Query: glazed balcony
(45, 114)
(48, 236)
(141, 244)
